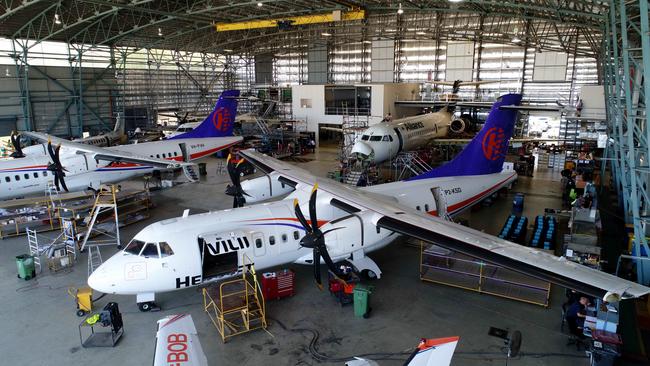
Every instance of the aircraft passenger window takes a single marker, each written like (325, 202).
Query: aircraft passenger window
(158, 156)
(7, 179)
(165, 249)
(296, 235)
(150, 250)
(246, 242)
(35, 174)
(175, 153)
(365, 137)
(284, 238)
(417, 208)
(272, 240)
(17, 177)
(45, 173)
(426, 207)
(258, 242)
(134, 247)
(375, 138)
(385, 138)
(26, 176)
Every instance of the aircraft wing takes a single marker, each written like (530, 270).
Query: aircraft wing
(177, 342)
(100, 153)
(404, 220)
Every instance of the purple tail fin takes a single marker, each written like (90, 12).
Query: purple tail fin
(487, 151)
(219, 122)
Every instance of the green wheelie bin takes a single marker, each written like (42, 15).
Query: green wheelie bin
(25, 264)
(362, 300)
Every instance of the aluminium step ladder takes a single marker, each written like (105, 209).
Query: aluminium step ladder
(34, 249)
(94, 258)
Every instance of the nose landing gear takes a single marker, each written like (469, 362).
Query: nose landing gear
(148, 306)
(146, 302)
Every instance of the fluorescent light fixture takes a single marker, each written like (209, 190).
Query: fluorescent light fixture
(227, 50)
(326, 34)
(367, 41)
(400, 11)
(57, 19)
(421, 33)
(260, 4)
(160, 32)
(455, 1)
(7, 74)
(516, 39)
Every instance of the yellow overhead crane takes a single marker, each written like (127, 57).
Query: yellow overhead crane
(334, 16)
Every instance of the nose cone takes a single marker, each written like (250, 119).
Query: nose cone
(363, 149)
(100, 280)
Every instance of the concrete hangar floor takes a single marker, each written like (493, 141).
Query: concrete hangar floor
(39, 324)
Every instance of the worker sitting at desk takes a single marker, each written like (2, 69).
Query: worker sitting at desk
(575, 316)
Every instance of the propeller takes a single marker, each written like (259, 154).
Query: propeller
(315, 238)
(55, 166)
(15, 141)
(182, 120)
(235, 190)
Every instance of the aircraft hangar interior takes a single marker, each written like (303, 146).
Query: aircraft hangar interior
(274, 182)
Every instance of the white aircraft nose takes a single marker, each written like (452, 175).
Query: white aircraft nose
(99, 280)
(362, 148)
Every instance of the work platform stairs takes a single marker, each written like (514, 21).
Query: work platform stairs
(190, 173)
(94, 237)
(236, 306)
(408, 164)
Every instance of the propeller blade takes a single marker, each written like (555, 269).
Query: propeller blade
(65, 188)
(56, 155)
(15, 141)
(50, 150)
(56, 182)
(301, 217)
(312, 208)
(326, 257)
(316, 266)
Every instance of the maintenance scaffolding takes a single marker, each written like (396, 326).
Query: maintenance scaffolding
(236, 306)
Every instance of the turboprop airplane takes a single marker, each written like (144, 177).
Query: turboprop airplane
(114, 137)
(345, 224)
(382, 141)
(75, 166)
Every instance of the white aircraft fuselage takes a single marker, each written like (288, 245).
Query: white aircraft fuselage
(269, 234)
(29, 175)
(384, 140)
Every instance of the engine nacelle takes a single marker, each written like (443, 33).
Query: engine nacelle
(263, 188)
(461, 124)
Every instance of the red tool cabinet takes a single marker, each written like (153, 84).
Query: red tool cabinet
(276, 285)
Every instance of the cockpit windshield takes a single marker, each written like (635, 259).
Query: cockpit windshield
(375, 138)
(134, 247)
(365, 137)
(149, 250)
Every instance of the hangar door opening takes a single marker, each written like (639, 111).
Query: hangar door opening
(329, 135)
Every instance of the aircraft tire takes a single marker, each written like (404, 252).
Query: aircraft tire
(144, 306)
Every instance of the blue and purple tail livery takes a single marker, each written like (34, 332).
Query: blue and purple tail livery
(486, 152)
(220, 121)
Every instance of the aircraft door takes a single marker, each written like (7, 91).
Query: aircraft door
(260, 245)
(184, 152)
(218, 259)
(400, 139)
